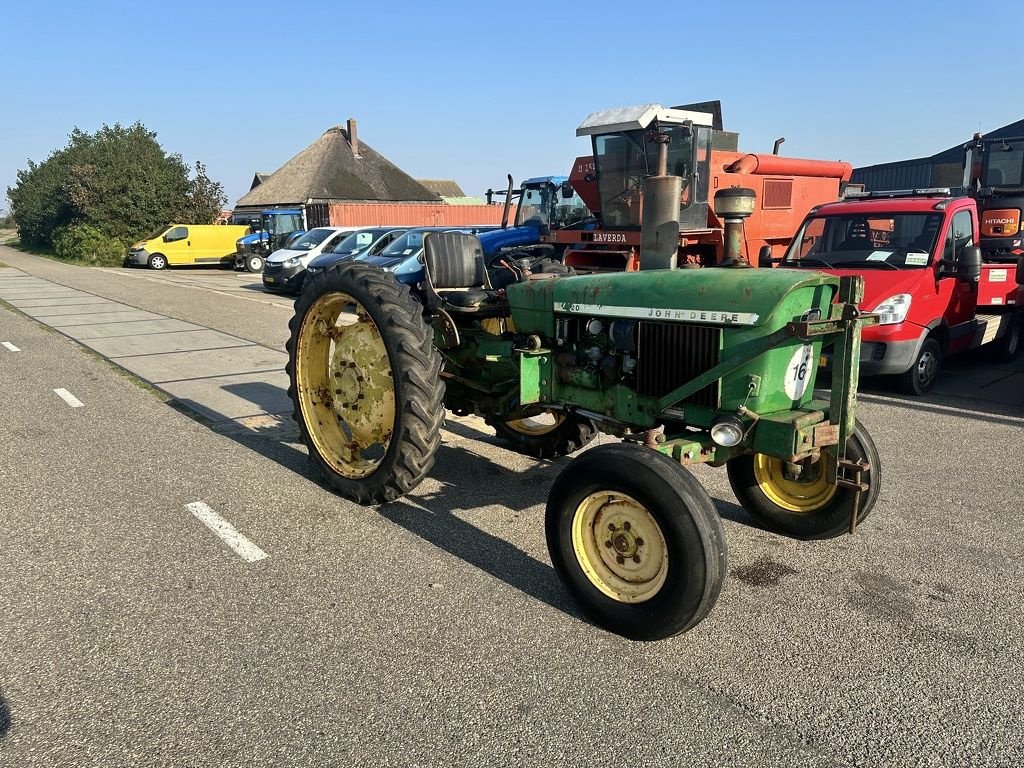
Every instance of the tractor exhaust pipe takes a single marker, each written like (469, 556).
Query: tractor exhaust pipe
(659, 222)
(508, 203)
(778, 143)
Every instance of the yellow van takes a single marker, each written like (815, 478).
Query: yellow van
(181, 244)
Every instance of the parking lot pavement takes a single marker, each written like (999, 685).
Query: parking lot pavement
(433, 631)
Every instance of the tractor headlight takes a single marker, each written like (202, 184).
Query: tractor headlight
(893, 310)
(727, 430)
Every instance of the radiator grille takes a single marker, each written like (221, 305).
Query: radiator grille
(778, 193)
(671, 354)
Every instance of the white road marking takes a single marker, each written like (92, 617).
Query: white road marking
(11, 346)
(68, 398)
(226, 532)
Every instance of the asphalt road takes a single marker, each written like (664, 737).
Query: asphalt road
(433, 631)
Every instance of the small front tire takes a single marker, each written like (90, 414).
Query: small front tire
(253, 264)
(158, 261)
(922, 375)
(807, 507)
(636, 540)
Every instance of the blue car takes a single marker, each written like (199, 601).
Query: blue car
(404, 257)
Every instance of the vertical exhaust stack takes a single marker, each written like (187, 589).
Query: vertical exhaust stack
(353, 137)
(659, 222)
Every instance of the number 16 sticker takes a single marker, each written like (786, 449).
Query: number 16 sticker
(798, 374)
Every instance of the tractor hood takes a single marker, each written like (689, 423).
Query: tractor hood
(711, 296)
(510, 237)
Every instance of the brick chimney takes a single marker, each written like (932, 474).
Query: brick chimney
(353, 137)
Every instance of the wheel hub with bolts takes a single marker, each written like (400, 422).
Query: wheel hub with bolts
(350, 392)
(620, 546)
(927, 367)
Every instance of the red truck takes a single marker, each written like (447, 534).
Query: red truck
(923, 274)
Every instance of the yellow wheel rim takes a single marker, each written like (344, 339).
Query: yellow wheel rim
(533, 426)
(808, 493)
(620, 546)
(345, 389)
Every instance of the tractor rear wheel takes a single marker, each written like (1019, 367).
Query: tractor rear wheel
(364, 379)
(636, 540)
(806, 506)
(545, 435)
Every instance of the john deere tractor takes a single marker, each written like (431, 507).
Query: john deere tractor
(686, 366)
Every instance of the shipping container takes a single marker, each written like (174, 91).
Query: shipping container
(414, 214)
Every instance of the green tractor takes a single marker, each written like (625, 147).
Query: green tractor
(687, 366)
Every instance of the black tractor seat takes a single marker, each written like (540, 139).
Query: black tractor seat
(457, 278)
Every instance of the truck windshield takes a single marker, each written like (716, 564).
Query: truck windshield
(311, 239)
(357, 241)
(279, 223)
(624, 159)
(545, 206)
(876, 240)
(1004, 164)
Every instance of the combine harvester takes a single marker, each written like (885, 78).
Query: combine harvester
(778, 191)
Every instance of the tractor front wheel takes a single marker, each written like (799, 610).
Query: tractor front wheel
(636, 540)
(545, 435)
(253, 263)
(804, 505)
(364, 379)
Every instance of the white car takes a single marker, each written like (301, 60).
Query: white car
(285, 269)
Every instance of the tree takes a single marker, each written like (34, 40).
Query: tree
(118, 181)
(205, 197)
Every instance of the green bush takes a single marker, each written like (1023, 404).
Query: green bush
(87, 245)
(118, 180)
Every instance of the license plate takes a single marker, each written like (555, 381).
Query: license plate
(270, 280)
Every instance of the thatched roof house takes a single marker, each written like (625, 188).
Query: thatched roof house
(443, 187)
(337, 167)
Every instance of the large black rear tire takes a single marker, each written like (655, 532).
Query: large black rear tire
(364, 379)
(636, 540)
(805, 508)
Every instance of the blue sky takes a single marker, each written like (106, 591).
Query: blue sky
(472, 91)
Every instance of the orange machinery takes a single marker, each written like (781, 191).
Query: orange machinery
(625, 150)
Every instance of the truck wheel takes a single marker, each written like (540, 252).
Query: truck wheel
(158, 261)
(364, 379)
(807, 507)
(253, 263)
(636, 540)
(546, 435)
(1008, 345)
(923, 374)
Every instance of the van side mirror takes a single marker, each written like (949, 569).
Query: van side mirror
(764, 257)
(567, 190)
(968, 266)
